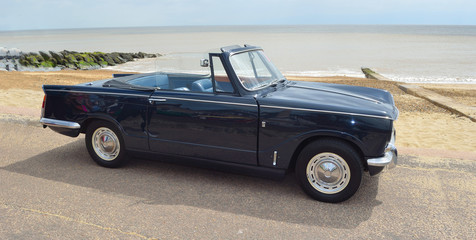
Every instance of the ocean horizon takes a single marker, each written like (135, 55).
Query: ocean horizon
(408, 53)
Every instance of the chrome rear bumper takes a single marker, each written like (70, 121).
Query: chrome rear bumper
(59, 123)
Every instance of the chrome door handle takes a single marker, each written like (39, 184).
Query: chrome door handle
(153, 100)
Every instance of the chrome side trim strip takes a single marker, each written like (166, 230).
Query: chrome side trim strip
(107, 93)
(154, 99)
(326, 111)
(59, 123)
(206, 101)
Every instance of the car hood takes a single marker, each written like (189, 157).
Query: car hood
(332, 98)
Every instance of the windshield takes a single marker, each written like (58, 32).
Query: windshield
(254, 70)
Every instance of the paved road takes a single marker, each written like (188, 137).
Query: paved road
(51, 189)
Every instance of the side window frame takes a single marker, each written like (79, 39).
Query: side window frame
(218, 56)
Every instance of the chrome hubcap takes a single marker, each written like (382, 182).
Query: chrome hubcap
(106, 144)
(328, 173)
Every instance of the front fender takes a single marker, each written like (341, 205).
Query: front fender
(287, 149)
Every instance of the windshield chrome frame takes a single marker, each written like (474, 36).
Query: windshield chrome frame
(267, 66)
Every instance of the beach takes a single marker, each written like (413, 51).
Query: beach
(422, 127)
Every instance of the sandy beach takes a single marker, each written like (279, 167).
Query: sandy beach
(422, 128)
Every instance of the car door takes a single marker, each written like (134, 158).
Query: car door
(217, 125)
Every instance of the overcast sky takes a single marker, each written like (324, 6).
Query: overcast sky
(59, 14)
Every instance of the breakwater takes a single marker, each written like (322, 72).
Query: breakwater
(16, 60)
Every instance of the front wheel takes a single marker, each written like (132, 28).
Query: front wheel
(105, 144)
(329, 170)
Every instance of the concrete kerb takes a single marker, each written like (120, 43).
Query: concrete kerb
(13, 118)
(435, 98)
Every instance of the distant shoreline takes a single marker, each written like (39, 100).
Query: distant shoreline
(402, 28)
(407, 53)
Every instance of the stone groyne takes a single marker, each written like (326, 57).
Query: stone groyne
(16, 60)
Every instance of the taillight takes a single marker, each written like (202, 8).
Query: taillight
(43, 106)
(44, 100)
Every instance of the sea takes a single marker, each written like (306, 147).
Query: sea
(408, 53)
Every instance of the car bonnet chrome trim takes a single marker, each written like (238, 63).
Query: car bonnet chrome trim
(326, 111)
(93, 92)
(338, 92)
(59, 123)
(206, 101)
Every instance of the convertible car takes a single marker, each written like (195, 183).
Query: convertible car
(242, 115)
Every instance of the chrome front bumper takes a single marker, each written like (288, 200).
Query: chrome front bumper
(389, 159)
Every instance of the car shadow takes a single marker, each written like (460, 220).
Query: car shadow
(164, 183)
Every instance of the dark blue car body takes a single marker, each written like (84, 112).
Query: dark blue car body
(188, 116)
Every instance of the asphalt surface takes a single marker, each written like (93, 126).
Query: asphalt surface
(51, 189)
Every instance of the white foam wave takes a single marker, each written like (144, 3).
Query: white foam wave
(149, 65)
(432, 79)
(145, 65)
(347, 73)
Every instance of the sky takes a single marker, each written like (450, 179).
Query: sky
(65, 14)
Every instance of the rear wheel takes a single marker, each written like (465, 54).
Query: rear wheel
(105, 144)
(329, 170)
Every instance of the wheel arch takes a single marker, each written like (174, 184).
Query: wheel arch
(307, 141)
(87, 122)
